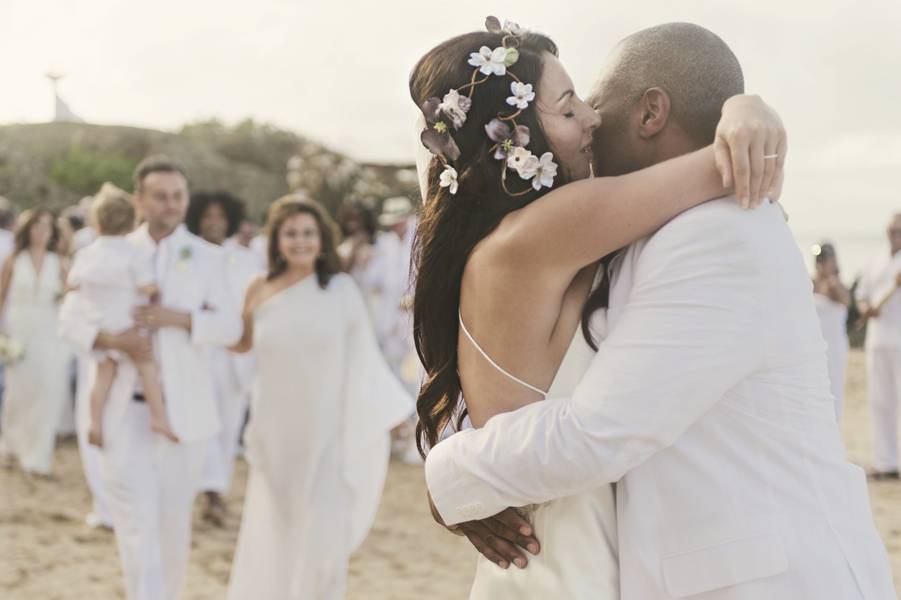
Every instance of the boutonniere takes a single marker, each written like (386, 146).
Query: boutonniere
(184, 255)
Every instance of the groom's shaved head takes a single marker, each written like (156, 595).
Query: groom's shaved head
(692, 64)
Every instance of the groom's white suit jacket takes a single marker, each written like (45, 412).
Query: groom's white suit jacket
(709, 404)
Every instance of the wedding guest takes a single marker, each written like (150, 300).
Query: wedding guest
(832, 300)
(69, 223)
(216, 217)
(7, 222)
(152, 481)
(323, 404)
(31, 284)
(88, 233)
(393, 249)
(879, 301)
(359, 258)
(246, 232)
(113, 277)
(395, 246)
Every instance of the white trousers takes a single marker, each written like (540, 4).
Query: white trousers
(151, 484)
(884, 375)
(90, 455)
(222, 450)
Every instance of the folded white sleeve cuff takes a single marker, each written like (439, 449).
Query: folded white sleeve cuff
(456, 493)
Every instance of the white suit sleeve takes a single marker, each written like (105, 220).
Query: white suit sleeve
(218, 323)
(74, 325)
(685, 337)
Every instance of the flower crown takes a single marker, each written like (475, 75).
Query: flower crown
(510, 138)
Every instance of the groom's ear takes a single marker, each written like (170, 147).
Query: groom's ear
(654, 110)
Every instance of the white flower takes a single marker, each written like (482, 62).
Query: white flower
(522, 95)
(490, 61)
(523, 162)
(448, 179)
(513, 28)
(455, 107)
(545, 171)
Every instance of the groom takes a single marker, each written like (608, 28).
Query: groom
(709, 402)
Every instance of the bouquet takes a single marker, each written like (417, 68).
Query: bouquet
(11, 350)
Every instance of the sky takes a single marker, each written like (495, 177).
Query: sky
(337, 72)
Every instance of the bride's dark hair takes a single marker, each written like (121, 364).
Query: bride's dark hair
(451, 225)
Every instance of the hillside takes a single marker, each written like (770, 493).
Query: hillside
(55, 164)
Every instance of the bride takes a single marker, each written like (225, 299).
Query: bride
(511, 243)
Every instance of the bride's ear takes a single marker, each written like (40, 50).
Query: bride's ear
(654, 108)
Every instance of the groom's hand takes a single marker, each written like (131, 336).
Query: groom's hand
(498, 538)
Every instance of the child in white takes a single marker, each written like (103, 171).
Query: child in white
(113, 276)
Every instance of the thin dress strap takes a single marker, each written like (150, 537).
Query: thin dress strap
(494, 364)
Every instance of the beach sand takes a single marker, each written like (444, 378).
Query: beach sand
(48, 553)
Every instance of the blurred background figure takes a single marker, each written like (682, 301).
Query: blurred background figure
(880, 303)
(217, 217)
(394, 247)
(71, 220)
(99, 514)
(88, 233)
(7, 242)
(359, 259)
(832, 300)
(323, 404)
(246, 232)
(31, 285)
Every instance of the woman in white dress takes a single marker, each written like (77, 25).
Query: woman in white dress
(323, 404)
(31, 285)
(832, 300)
(507, 253)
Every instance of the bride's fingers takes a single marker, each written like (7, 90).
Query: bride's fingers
(515, 521)
(741, 168)
(485, 550)
(769, 164)
(512, 535)
(498, 545)
(723, 160)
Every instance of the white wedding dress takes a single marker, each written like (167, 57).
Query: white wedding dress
(37, 385)
(578, 558)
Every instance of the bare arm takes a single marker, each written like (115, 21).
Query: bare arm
(577, 224)
(6, 276)
(838, 292)
(245, 344)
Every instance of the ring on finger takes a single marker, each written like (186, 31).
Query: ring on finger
(770, 156)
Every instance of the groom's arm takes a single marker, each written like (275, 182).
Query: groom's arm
(686, 336)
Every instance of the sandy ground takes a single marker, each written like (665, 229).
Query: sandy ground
(48, 553)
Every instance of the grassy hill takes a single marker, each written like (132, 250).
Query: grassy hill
(55, 164)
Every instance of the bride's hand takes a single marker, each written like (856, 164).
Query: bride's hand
(750, 149)
(497, 538)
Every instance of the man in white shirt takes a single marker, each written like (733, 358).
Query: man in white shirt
(216, 216)
(151, 482)
(879, 299)
(708, 403)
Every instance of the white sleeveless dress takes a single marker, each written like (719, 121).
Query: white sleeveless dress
(36, 386)
(578, 558)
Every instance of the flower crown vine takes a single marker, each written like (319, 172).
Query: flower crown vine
(510, 138)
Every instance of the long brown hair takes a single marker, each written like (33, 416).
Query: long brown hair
(328, 263)
(26, 222)
(451, 225)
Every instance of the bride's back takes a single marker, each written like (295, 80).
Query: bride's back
(523, 323)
